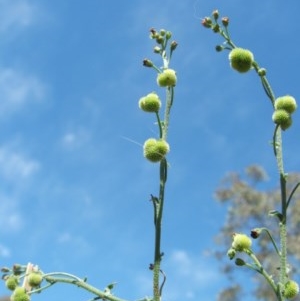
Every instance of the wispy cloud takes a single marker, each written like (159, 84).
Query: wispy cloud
(11, 219)
(75, 139)
(4, 251)
(18, 89)
(16, 14)
(15, 165)
(188, 277)
(77, 243)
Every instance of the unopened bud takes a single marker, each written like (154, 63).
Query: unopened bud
(240, 262)
(262, 72)
(255, 233)
(147, 63)
(153, 33)
(173, 45)
(216, 28)
(207, 22)
(219, 48)
(168, 35)
(231, 253)
(215, 14)
(156, 49)
(225, 21)
(5, 270)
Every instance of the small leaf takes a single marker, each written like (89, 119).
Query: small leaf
(275, 213)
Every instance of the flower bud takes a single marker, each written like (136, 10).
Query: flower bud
(173, 45)
(240, 262)
(262, 72)
(162, 32)
(157, 49)
(17, 269)
(216, 28)
(282, 118)
(153, 33)
(207, 22)
(155, 150)
(159, 39)
(255, 233)
(215, 14)
(219, 48)
(147, 63)
(12, 282)
(241, 59)
(20, 294)
(291, 289)
(287, 103)
(5, 270)
(225, 21)
(168, 35)
(150, 103)
(231, 253)
(35, 279)
(241, 242)
(167, 78)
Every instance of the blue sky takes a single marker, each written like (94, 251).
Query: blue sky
(74, 188)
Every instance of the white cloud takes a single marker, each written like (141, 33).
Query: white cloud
(18, 89)
(188, 276)
(11, 219)
(16, 14)
(75, 139)
(77, 243)
(14, 165)
(4, 251)
(191, 276)
(191, 267)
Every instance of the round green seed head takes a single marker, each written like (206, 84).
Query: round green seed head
(167, 78)
(12, 282)
(150, 103)
(241, 59)
(291, 289)
(287, 103)
(155, 150)
(282, 118)
(241, 242)
(20, 294)
(35, 279)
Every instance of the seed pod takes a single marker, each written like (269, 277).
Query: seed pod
(167, 78)
(155, 150)
(241, 59)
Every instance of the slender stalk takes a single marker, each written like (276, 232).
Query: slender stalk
(101, 294)
(158, 222)
(159, 203)
(278, 152)
(259, 268)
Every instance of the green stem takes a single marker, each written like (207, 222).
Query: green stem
(159, 125)
(159, 203)
(158, 222)
(272, 240)
(259, 268)
(283, 257)
(169, 102)
(291, 195)
(82, 284)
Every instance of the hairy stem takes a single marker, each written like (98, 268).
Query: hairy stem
(82, 284)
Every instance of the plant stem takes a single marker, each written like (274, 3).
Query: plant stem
(259, 268)
(80, 283)
(278, 152)
(159, 205)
